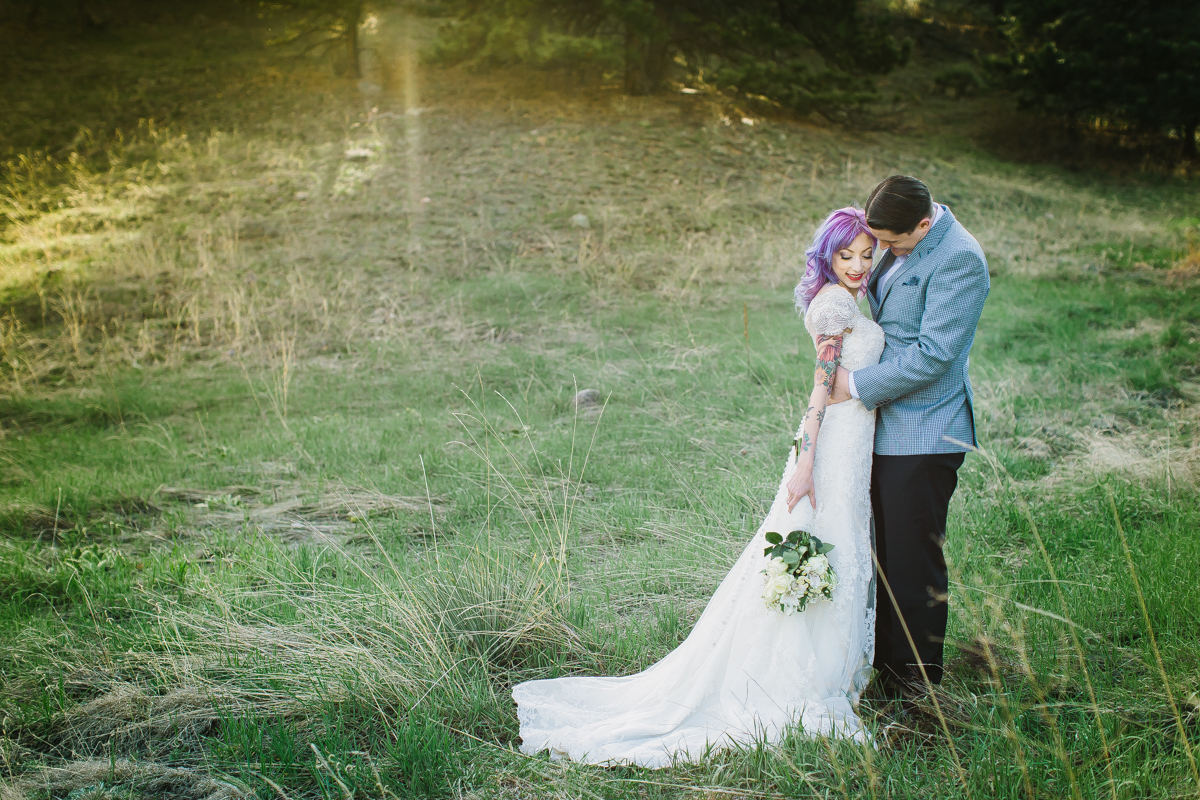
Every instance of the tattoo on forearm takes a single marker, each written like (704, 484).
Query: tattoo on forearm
(829, 353)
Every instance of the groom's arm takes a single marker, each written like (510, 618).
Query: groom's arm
(953, 303)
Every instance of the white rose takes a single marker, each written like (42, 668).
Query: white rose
(816, 565)
(776, 566)
(780, 584)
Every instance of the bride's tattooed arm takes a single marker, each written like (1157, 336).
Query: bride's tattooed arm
(829, 355)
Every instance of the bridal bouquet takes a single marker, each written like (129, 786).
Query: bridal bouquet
(798, 571)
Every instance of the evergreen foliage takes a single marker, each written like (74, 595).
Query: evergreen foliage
(1135, 63)
(323, 25)
(806, 55)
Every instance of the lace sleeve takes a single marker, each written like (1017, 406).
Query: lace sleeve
(831, 312)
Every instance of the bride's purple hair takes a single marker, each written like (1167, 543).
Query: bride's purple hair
(838, 230)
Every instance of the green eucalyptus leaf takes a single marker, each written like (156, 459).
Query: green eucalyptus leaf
(825, 548)
(791, 558)
(773, 537)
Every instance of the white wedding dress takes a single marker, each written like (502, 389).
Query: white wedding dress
(747, 672)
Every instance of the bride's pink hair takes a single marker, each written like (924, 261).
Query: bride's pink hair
(838, 230)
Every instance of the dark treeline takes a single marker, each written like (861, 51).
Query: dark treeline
(51, 17)
(312, 24)
(1131, 68)
(1120, 66)
(805, 54)
(1125, 63)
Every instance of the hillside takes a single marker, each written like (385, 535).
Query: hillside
(293, 486)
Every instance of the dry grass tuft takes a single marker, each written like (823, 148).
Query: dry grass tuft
(1186, 271)
(356, 503)
(34, 518)
(204, 495)
(305, 642)
(146, 777)
(1148, 456)
(129, 717)
(282, 512)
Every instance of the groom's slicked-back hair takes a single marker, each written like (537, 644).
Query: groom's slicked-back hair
(898, 204)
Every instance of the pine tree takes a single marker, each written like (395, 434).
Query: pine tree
(806, 54)
(1133, 63)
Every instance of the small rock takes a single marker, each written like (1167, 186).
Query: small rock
(586, 398)
(358, 154)
(581, 221)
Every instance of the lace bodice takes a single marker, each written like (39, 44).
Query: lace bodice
(834, 311)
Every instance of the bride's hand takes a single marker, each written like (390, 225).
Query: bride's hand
(800, 485)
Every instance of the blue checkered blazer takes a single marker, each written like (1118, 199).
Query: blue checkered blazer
(928, 312)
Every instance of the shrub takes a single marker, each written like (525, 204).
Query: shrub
(958, 80)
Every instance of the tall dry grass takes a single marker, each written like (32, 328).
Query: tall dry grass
(382, 636)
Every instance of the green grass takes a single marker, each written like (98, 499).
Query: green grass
(292, 489)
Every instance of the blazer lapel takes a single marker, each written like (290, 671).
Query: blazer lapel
(913, 258)
(873, 285)
(931, 240)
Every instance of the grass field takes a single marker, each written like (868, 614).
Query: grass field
(293, 487)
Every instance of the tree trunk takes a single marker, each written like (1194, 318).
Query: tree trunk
(657, 61)
(635, 64)
(353, 17)
(1189, 141)
(647, 58)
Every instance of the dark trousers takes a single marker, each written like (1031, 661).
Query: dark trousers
(909, 498)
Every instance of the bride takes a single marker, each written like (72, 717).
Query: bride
(747, 671)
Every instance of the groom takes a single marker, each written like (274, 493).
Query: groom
(926, 293)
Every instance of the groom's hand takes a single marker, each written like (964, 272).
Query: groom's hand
(841, 386)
